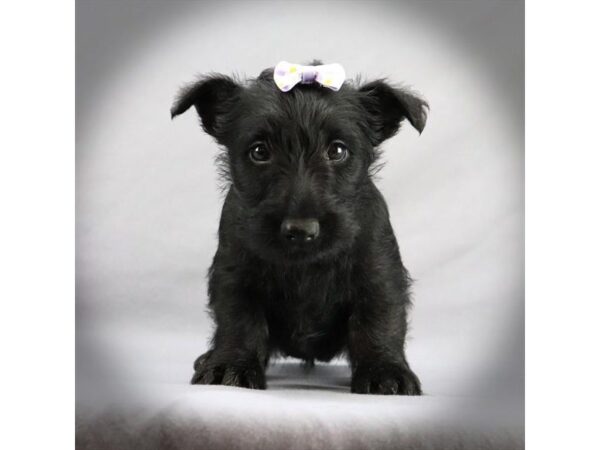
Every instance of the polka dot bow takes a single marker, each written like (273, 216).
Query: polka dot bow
(288, 75)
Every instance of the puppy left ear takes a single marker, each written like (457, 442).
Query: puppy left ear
(388, 107)
(212, 96)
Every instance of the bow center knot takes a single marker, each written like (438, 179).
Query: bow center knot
(287, 75)
(309, 75)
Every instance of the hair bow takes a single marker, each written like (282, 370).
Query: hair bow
(288, 75)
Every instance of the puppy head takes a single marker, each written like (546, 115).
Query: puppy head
(298, 161)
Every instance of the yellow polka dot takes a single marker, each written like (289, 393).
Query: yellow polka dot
(293, 69)
(328, 81)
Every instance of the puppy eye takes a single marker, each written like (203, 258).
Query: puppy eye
(337, 152)
(259, 153)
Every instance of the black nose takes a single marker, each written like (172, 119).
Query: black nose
(300, 230)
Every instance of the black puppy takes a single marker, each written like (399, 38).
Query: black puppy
(307, 263)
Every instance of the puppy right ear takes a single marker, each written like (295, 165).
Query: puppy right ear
(212, 96)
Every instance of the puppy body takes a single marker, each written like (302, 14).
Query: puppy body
(336, 285)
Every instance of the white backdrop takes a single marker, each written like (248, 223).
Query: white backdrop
(148, 202)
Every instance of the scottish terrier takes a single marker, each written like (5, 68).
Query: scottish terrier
(307, 263)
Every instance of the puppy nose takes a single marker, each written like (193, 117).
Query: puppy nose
(300, 230)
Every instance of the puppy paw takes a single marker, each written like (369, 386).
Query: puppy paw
(385, 380)
(239, 374)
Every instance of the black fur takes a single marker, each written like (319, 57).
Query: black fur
(345, 292)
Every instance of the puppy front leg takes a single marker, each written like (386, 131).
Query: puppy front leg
(239, 352)
(238, 356)
(376, 348)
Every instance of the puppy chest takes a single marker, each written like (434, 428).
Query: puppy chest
(308, 319)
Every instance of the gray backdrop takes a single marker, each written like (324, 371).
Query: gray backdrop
(148, 202)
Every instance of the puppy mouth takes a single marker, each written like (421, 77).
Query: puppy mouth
(309, 249)
(268, 237)
(301, 254)
(306, 247)
(298, 249)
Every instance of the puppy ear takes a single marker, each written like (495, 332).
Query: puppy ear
(212, 96)
(388, 107)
